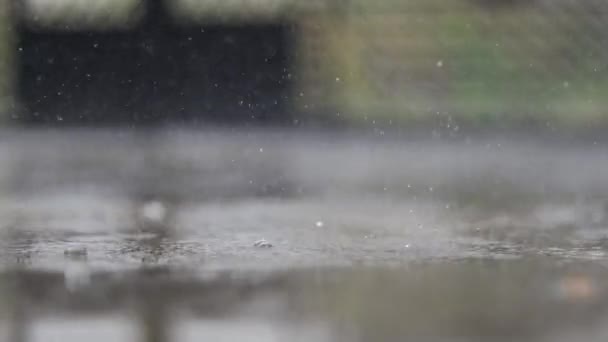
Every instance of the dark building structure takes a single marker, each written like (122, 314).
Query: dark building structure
(160, 70)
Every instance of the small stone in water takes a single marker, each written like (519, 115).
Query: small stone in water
(262, 244)
(75, 252)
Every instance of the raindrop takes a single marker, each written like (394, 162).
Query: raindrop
(153, 211)
(439, 63)
(319, 224)
(262, 243)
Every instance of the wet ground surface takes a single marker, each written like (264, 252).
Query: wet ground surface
(273, 235)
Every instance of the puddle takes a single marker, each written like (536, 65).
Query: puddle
(274, 236)
(525, 300)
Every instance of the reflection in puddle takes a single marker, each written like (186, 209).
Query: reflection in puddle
(526, 300)
(92, 329)
(123, 329)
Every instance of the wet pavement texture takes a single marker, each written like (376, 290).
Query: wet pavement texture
(265, 235)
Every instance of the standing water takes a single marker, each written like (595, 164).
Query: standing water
(283, 235)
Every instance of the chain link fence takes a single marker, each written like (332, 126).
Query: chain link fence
(536, 62)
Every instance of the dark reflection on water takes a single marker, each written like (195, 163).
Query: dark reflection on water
(478, 300)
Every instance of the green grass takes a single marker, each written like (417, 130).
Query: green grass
(484, 66)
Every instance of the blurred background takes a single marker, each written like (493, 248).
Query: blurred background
(272, 170)
(479, 62)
